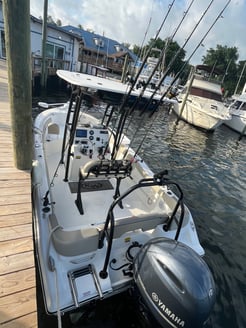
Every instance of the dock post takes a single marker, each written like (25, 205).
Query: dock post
(17, 37)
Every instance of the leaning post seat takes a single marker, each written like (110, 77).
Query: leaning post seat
(118, 169)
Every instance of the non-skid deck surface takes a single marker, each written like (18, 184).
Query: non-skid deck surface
(91, 185)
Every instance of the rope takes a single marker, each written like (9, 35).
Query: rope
(52, 267)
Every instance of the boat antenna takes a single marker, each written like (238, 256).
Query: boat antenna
(127, 95)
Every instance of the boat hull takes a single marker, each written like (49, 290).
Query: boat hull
(237, 123)
(201, 118)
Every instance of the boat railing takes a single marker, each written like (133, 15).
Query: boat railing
(207, 78)
(109, 226)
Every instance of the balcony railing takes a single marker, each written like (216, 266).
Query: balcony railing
(52, 65)
(103, 61)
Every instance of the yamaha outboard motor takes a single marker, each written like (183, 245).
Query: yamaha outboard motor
(175, 283)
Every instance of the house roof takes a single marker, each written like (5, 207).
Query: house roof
(97, 42)
(54, 26)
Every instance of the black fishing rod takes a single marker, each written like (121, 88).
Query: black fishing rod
(171, 63)
(194, 51)
(160, 58)
(173, 60)
(127, 95)
(137, 100)
(182, 68)
(187, 61)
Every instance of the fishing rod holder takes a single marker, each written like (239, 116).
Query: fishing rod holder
(118, 169)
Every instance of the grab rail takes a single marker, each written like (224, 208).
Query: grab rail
(157, 180)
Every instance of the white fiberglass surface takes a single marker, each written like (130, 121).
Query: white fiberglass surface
(95, 203)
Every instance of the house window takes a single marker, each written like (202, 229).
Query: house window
(99, 42)
(3, 47)
(55, 52)
(118, 48)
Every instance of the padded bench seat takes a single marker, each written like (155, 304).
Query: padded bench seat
(85, 240)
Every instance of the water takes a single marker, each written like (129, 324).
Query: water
(210, 168)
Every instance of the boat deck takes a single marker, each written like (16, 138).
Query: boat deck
(17, 267)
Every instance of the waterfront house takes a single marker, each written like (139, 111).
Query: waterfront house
(72, 48)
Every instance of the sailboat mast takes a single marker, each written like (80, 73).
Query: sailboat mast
(239, 80)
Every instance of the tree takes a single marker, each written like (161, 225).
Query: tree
(59, 22)
(136, 49)
(50, 20)
(224, 58)
(126, 45)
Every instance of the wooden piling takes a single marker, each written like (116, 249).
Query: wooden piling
(17, 37)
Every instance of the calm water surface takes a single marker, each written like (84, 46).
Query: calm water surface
(210, 168)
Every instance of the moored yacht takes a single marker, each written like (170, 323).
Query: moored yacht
(200, 102)
(237, 110)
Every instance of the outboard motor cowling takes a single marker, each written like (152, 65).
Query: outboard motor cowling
(175, 283)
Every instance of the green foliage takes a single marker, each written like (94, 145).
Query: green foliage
(126, 44)
(225, 59)
(50, 20)
(59, 22)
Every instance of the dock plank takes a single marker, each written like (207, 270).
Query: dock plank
(15, 232)
(18, 196)
(16, 262)
(17, 281)
(18, 302)
(27, 321)
(14, 209)
(16, 246)
(15, 219)
(15, 184)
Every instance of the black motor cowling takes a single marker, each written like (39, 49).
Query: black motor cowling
(175, 283)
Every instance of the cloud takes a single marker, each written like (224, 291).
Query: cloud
(128, 21)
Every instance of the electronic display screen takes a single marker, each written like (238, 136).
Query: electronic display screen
(81, 133)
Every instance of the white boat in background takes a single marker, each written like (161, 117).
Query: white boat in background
(200, 102)
(150, 78)
(106, 224)
(237, 110)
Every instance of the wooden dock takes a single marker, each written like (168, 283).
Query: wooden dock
(18, 305)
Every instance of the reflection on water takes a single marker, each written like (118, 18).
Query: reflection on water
(210, 168)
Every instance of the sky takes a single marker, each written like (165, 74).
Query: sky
(137, 21)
